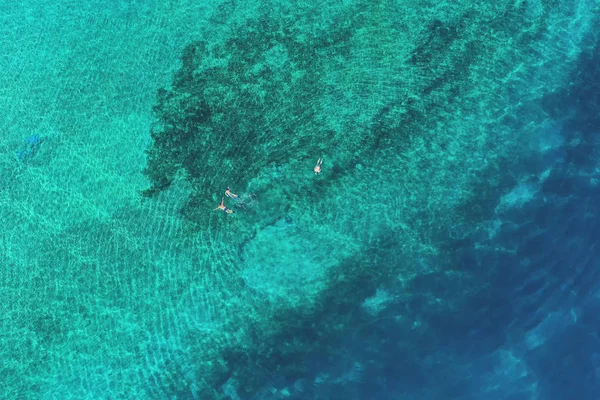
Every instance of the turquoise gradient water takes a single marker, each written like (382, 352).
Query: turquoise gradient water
(445, 129)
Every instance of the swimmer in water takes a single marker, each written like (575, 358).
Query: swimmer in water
(222, 207)
(317, 167)
(231, 195)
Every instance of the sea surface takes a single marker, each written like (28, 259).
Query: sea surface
(164, 235)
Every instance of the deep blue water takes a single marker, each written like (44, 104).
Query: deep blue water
(530, 328)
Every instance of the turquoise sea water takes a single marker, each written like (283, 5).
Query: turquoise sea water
(445, 251)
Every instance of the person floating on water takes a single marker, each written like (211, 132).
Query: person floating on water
(222, 207)
(231, 195)
(317, 167)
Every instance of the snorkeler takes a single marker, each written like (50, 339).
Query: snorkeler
(222, 207)
(231, 195)
(317, 167)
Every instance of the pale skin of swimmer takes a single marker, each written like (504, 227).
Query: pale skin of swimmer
(223, 207)
(231, 195)
(317, 167)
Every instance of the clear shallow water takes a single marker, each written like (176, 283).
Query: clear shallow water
(446, 251)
